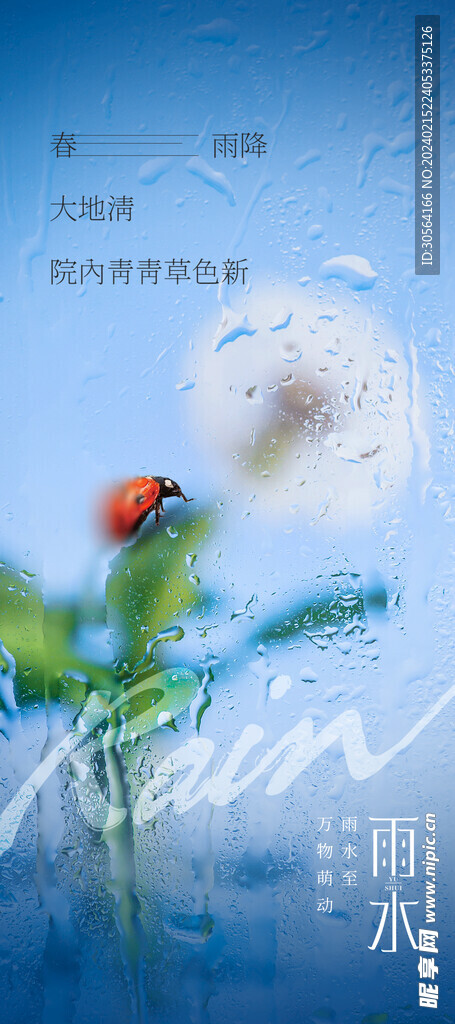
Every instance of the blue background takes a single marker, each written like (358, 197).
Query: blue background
(90, 394)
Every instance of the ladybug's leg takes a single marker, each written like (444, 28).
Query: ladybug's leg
(157, 513)
(185, 499)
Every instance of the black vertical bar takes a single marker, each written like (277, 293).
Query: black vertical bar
(427, 151)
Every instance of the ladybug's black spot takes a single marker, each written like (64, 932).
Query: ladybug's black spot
(140, 499)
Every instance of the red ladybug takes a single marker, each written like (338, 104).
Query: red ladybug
(126, 506)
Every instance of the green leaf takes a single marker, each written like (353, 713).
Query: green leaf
(170, 691)
(42, 642)
(21, 630)
(62, 659)
(333, 608)
(149, 587)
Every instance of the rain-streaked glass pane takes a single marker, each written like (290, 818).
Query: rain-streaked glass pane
(227, 525)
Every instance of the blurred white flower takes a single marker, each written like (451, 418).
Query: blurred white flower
(305, 404)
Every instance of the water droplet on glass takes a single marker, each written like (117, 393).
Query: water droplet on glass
(307, 675)
(279, 686)
(355, 271)
(281, 320)
(254, 395)
(315, 231)
(165, 718)
(246, 612)
(290, 351)
(195, 928)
